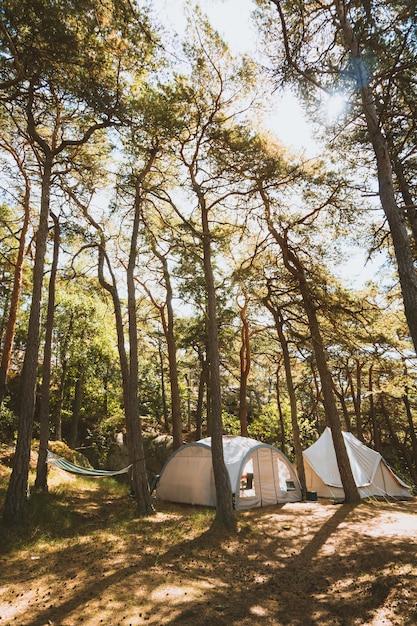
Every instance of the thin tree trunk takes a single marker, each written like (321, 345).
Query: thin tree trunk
(356, 397)
(402, 448)
(18, 488)
(245, 364)
(60, 399)
(283, 443)
(345, 411)
(17, 285)
(224, 511)
(200, 399)
(279, 325)
(169, 331)
(372, 412)
(410, 421)
(76, 408)
(163, 392)
(133, 421)
(41, 480)
(296, 269)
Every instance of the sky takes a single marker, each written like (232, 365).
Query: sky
(232, 19)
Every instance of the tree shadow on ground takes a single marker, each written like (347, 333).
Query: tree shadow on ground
(294, 565)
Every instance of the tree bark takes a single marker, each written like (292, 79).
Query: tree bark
(17, 285)
(133, 421)
(245, 364)
(410, 421)
(395, 217)
(41, 480)
(224, 511)
(296, 269)
(163, 392)
(279, 325)
(283, 444)
(402, 448)
(18, 488)
(169, 331)
(76, 407)
(372, 412)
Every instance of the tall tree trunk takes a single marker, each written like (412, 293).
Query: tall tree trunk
(346, 475)
(356, 397)
(163, 392)
(296, 269)
(41, 480)
(283, 442)
(410, 421)
(18, 488)
(200, 398)
(395, 217)
(17, 285)
(60, 399)
(279, 325)
(169, 330)
(133, 421)
(372, 412)
(245, 364)
(76, 407)
(224, 511)
(401, 447)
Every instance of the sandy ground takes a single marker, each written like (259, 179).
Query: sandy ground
(296, 564)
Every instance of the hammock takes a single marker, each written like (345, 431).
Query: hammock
(61, 463)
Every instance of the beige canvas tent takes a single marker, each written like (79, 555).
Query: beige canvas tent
(260, 474)
(373, 477)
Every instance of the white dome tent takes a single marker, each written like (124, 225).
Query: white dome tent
(373, 477)
(260, 474)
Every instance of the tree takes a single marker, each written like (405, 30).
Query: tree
(66, 98)
(18, 270)
(41, 481)
(337, 40)
(213, 93)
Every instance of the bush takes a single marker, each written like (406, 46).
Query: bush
(8, 425)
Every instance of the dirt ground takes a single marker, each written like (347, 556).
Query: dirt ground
(295, 564)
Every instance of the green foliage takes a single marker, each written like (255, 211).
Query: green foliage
(8, 424)
(103, 433)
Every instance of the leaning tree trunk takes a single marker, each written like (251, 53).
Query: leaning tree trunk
(346, 475)
(400, 238)
(18, 488)
(296, 269)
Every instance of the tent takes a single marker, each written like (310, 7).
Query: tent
(373, 477)
(260, 474)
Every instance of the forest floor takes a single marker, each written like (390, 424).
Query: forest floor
(84, 557)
